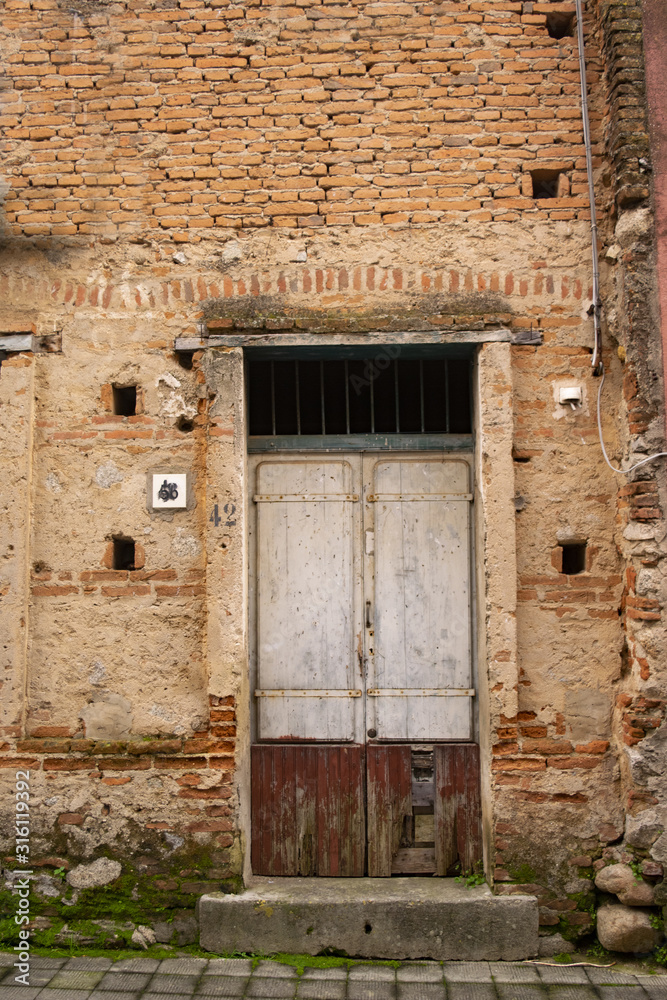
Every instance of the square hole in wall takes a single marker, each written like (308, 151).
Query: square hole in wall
(560, 24)
(123, 553)
(545, 183)
(125, 400)
(574, 558)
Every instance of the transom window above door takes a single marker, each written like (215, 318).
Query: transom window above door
(373, 399)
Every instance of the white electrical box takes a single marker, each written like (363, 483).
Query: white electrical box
(570, 394)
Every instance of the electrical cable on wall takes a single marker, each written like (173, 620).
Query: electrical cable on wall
(623, 472)
(596, 307)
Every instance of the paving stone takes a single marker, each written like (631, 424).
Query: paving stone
(467, 972)
(562, 974)
(601, 977)
(277, 970)
(64, 994)
(337, 972)
(265, 986)
(76, 979)
(129, 982)
(621, 992)
(371, 991)
(19, 992)
(166, 996)
(420, 972)
(573, 991)
(372, 974)
(183, 966)
(161, 983)
(88, 964)
(37, 977)
(7, 958)
(421, 991)
(471, 991)
(521, 991)
(507, 972)
(42, 962)
(112, 995)
(135, 965)
(653, 989)
(321, 989)
(229, 967)
(222, 986)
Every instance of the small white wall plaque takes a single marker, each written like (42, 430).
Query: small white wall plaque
(170, 491)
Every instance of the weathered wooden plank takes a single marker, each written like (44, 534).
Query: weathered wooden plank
(256, 830)
(345, 815)
(357, 835)
(457, 806)
(288, 820)
(329, 794)
(373, 337)
(277, 791)
(414, 861)
(445, 809)
(378, 810)
(473, 809)
(389, 799)
(400, 778)
(305, 805)
(266, 796)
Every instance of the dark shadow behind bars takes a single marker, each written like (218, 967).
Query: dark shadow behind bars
(295, 397)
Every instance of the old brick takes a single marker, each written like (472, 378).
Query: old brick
(70, 819)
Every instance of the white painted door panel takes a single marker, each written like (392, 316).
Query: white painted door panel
(307, 678)
(420, 683)
(320, 571)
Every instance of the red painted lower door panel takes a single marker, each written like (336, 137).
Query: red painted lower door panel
(351, 810)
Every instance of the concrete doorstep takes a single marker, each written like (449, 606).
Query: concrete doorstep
(394, 918)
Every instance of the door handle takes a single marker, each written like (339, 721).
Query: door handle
(369, 623)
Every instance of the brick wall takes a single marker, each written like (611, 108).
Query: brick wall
(184, 117)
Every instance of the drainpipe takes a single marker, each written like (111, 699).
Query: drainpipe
(596, 362)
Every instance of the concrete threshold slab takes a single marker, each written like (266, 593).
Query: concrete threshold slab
(395, 918)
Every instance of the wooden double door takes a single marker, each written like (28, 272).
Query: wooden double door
(360, 596)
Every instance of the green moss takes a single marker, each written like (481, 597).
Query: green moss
(566, 931)
(301, 962)
(585, 901)
(134, 896)
(160, 951)
(523, 873)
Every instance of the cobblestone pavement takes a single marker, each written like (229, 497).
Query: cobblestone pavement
(187, 978)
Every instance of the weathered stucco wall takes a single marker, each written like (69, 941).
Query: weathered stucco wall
(182, 168)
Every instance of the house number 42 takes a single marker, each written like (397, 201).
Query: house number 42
(228, 510)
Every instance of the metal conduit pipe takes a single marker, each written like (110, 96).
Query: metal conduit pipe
(596, 363)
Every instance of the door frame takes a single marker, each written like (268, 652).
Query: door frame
(494, 536)
(495, 543)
